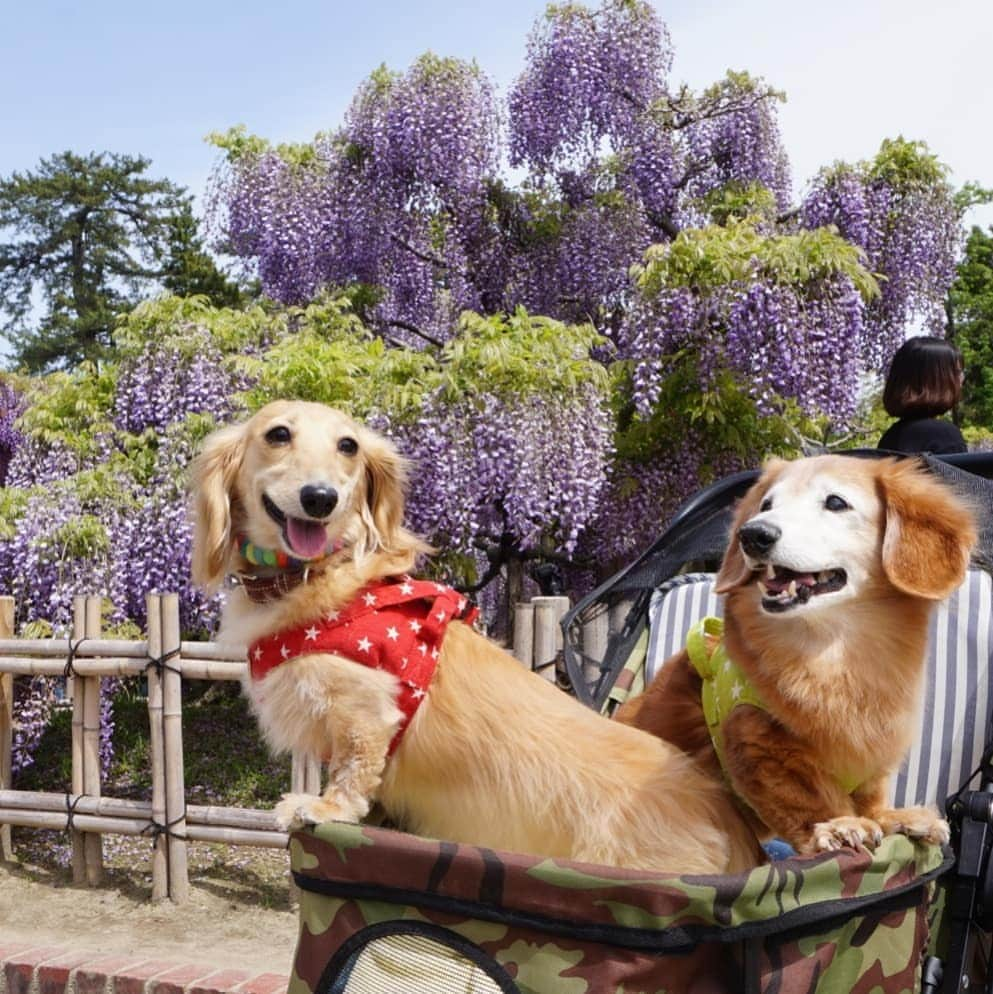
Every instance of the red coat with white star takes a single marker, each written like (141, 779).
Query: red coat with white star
(396, 625)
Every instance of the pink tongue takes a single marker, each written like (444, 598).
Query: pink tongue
(308, 539)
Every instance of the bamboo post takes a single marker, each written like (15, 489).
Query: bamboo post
(298, 772)
(524, 632)
(78, 700)
(312, 776)
(618, 614)
(172, 725)
(6, 725)
(514, 586)
(595, 634)
(548, 612)
(156, 748)
(91, 744)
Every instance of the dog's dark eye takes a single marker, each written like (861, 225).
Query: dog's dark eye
(349, 446)
(279, 435)
(766, 505)
(835, 503)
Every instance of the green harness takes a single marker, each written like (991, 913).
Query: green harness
(726, 687)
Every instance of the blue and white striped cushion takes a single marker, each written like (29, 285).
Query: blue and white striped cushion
(956, 717)
(675, 606)
(958, 699)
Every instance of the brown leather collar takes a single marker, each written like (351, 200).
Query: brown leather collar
(270, 587)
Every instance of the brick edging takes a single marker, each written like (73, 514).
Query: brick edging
(31, 969)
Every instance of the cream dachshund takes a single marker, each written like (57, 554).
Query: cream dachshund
(303, 508)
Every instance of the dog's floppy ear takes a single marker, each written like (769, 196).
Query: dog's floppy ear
(385, 486)
(929, 533)
(734, 571)
(213, 478)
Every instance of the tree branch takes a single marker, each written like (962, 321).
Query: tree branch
(663, 221)
(414, 330)
(684, 117)
(423, 256)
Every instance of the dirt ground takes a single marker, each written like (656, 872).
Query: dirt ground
(239, 914)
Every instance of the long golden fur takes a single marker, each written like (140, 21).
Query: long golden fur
(495, 755)
(839, 668)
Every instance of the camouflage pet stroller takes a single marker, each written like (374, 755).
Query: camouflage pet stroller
(382, 911)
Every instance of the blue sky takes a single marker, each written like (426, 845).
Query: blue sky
(155, 78)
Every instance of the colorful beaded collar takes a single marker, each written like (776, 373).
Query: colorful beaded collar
(291, 571)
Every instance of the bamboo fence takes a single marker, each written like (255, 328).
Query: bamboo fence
(85, 659)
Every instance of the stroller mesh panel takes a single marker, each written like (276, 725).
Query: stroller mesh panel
(418, 962)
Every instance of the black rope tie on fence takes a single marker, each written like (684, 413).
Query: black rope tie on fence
(70, 669)
(155, 828)
(161, 663)
(71, 811)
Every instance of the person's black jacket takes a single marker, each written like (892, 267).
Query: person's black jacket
(923, 435)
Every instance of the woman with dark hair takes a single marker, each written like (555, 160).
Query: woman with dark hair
(925, 380)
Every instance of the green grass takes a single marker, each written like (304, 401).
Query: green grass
(225, 760)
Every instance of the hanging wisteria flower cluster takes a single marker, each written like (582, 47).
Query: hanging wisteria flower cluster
(501, 468)
(163, 385)
(734, 140)
(899, 208)
(786, 318)
(590, 76)
(10, 438)
(640, 497)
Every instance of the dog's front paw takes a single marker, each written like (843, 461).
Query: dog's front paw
(916, 823)
(848, 831)
(299, 810)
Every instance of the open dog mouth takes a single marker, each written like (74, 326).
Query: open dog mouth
(784, 588)
(306, 539)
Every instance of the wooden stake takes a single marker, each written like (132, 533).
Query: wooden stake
(312, 776)
(91, 744)
(298, 771)
(78, 700)
(524, 632)
(596, 632)
(172, 724)
(156, 748)
(548, 611)
(619, 613)
(6, 725)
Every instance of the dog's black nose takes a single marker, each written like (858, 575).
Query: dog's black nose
(318, 500)
(758, 537)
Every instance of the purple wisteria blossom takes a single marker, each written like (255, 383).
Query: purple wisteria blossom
(502, 468)
(907, 223)
(11, 405)
(590, 76)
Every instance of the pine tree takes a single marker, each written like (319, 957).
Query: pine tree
(89, 233)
